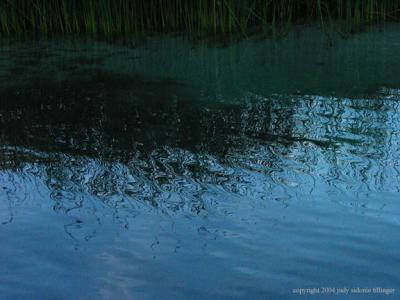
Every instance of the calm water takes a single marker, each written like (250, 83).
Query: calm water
(179, 170)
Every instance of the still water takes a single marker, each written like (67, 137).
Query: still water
(168, 169)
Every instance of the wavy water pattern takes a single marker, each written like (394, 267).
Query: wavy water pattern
(133, 186)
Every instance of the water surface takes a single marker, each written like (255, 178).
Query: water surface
(179, 170)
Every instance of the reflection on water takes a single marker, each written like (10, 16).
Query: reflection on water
(124, 184)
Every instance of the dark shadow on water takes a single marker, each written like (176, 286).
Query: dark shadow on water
(101, 113)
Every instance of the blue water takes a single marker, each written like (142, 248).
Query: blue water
(168, 169)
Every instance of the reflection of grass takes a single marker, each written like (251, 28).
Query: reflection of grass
(193, 17)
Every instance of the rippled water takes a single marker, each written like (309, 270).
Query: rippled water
(174, 170)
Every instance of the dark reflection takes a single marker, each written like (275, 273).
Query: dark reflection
(103, 114)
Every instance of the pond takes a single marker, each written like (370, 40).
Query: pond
(173, 169)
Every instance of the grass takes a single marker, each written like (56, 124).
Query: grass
(116, 17)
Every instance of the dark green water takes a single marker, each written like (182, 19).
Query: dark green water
(174, 170)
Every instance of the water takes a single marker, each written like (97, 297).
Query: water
(174, 170)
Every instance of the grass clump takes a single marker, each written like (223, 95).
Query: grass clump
(110, 17)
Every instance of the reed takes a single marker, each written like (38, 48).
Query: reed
(112, 17)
